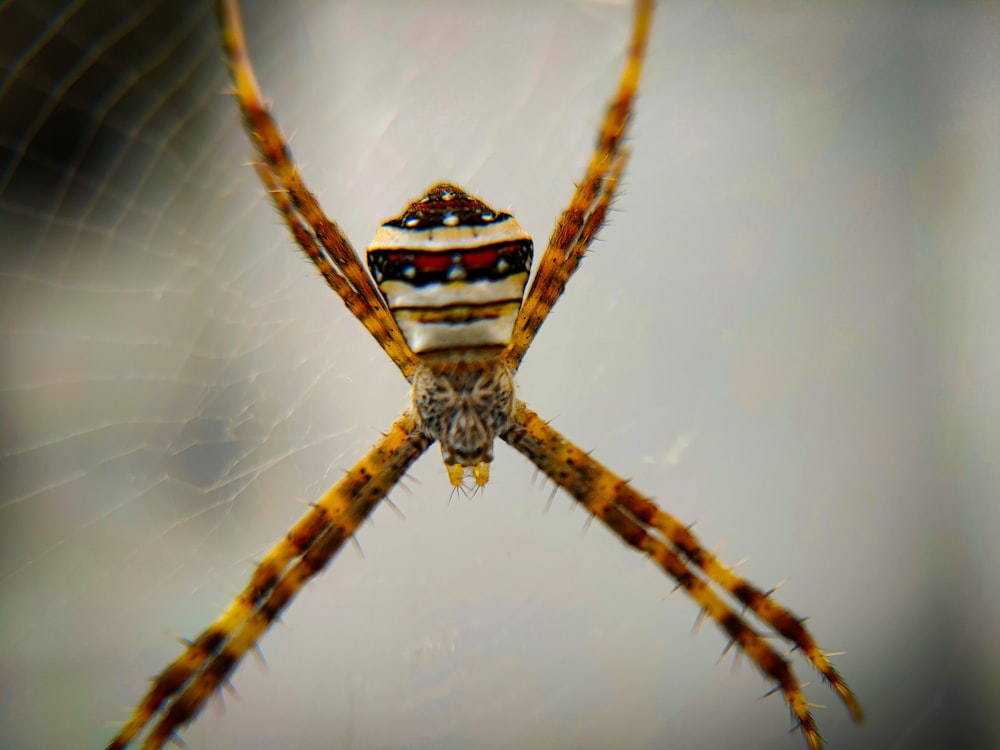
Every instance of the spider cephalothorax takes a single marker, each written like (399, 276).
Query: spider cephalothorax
(465, 406)
(446, 306)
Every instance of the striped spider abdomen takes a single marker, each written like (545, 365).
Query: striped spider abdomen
(453, 272)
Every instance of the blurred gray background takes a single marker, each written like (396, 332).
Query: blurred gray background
(787, 334)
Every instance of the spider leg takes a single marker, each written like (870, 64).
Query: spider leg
(790, 627)
(299, 206)
(355, 303)
(180, 690)
(580, 222)
(642, 525)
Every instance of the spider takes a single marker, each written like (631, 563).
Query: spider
(445, 300)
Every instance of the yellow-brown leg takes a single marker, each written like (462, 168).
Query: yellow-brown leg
(355, 303)
(790, 627)
(290, 195)
(580, 222)
(181, 689)
(636, 520)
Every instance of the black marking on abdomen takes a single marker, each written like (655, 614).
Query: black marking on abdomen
(423, 267)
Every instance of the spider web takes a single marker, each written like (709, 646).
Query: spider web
(783, 337)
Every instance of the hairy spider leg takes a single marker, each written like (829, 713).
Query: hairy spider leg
(182, 689)
(279, 174)
(355, 303)
(784, 622)
(635, 520)
(580, 222)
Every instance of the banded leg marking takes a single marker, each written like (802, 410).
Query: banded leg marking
(580, 222)
(277, 159)
(784, 622)
(357, 305)
(636, 520)
(181, 689)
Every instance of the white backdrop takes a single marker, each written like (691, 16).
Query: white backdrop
(785, 335)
